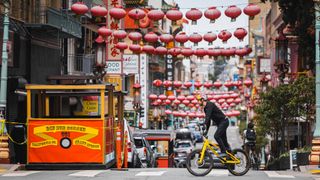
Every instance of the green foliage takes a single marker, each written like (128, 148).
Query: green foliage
(283, 104)
(305, 149)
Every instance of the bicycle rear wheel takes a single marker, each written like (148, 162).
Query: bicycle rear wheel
(201, 169)
(243, 167)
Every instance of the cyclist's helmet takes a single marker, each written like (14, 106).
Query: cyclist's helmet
(202, 97)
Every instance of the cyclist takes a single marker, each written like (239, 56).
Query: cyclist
(212, 112)
(249, 137)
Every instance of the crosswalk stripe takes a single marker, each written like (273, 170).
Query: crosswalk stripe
(217, 172)
(87, 173)
(149, 173)
(19, 173)
(273, 174)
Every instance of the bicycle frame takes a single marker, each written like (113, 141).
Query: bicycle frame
(207, 144)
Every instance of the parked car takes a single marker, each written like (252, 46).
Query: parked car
(181, 151)
(198, 136)
(185, 134)
(146, 154)
(133, 155)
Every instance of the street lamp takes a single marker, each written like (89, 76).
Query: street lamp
(100, 61)
(282, 66)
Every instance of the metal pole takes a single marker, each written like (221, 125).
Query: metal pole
(4, 66)
(317, 58)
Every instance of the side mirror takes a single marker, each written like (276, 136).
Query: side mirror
(153, 148)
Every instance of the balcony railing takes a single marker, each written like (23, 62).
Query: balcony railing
(81, 64)
(54, 18)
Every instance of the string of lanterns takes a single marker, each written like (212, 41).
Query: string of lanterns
(194, 14)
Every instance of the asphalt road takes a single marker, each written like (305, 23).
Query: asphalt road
(157, 174)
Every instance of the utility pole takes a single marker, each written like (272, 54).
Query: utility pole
(314, 157)
(4, 65)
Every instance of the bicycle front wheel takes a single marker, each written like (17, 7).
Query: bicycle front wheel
(196, 168)
(243, 167)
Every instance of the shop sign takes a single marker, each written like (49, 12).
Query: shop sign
(130, 63)
(114, 67)
(144, 89)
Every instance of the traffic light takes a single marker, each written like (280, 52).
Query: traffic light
(141, 112)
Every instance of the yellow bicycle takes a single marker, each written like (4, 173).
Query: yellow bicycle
(200, 161)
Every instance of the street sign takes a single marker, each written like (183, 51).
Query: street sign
(130, 64)
(293, 159)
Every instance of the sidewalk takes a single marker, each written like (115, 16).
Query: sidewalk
(5, 168)
(305, 171)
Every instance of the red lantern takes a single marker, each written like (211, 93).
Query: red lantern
(187, 52)
(135, 48)
(225, 96)
(99, 11)
(197, 84)
(155, 15)
(207, 85)
(161, 50)
(187, 84)
(236, 113)
(212, 14)
(172, 98)
(252, 10)
(230, 100)
(194, 14)
(119, 34)
(166, 38)
(190, 97)
(240, 33)
(249, 50)
(135, 37)
(148, 49)
(121, 46)
(136, 15)
(237, 100)
(233, 12)
(191, 114)
(168, 112)
(224, 35)
(117, 13)
(210, 37)
(136, 86)
(241, 52)
(104, 32)
(151, 37)
(176, 102)
(181, 38)
(234, 95)
(174, 15)
(229, 52)
(153, 97)
(157, 83)
(167, 83)
(174, 51)
(237, 83)
(183, 114)
(247, 82)
(162, 97)
(79, 8)
(213, 52)
(195, 38)
(194, 101)
(181, 98)
(221, 101)
(177, 84)
(200, 52)
(217, 84)
(185, 102)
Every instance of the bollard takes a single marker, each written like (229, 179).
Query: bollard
(125, 150)
(118, 148)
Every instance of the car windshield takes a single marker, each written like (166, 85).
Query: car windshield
(183, 145)
(138, 143)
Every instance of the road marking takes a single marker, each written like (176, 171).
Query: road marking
(217, 172)
(158, 173)
(273, 174)
(87, 173)
(20, 173)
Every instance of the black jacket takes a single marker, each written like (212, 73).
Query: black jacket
(213, 113)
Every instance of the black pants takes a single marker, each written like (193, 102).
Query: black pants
(221, 135)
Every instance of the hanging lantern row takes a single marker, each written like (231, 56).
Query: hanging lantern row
(194, 14)
(178, 84)
(186, 52)
(151, 37)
